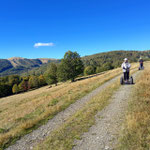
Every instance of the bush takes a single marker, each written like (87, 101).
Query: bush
(41, 80)
(107, 66)
(5, 90)
(33, 82)
(89, 70)
(99, 69)
(23, 86)
(15, 89)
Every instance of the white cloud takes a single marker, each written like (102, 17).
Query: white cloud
(36, 45)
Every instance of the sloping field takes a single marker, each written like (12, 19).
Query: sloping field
(100, 132)
(20, 114)
(63, 138)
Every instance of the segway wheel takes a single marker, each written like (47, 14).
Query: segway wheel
(121, 81)
(131, 80)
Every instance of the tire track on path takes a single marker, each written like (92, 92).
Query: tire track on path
(103, 135)
(28, 141)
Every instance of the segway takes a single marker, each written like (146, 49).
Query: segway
(130, 81)
(141, 68)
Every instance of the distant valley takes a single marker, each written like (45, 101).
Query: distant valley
(19, 65)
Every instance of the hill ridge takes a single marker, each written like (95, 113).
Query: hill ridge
(18, 65)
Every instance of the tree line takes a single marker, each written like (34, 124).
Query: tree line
(101, 61)
(70, 67)
(16, 84)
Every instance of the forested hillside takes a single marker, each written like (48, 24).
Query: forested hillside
(5, 65)
(114, 57)
(99, 62)
(102, 61)
(17, 65)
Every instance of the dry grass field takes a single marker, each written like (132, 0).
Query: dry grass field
(136, 131)
(63, 137)
(20, 114)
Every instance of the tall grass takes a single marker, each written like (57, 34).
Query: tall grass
(136, 129)
(20, 114)
(63, 137)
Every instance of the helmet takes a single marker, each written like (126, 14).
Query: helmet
(125, 59)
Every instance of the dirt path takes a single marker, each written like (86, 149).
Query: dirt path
(103, 135)
(30, 140)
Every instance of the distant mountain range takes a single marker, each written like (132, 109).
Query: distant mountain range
(18, 65)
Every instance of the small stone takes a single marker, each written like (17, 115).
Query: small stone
(106, 147)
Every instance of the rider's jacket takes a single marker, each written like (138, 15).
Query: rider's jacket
(141, 61)
(125, 66)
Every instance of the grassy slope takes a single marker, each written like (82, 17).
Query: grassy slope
(20, 114)
(63, 138)
(136, 133)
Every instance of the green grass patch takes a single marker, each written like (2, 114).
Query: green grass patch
(31, 115)
(53, 102)
(3, 130)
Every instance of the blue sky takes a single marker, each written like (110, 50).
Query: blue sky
(49, 28)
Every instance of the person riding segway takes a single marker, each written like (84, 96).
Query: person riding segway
(141, 64)
(126, 72)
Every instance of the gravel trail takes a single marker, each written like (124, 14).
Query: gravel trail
(30, 140)
(103, 135)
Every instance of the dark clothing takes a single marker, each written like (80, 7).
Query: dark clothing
(126, 75)
(141, 63)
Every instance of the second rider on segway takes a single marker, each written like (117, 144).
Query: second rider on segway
(141, 64)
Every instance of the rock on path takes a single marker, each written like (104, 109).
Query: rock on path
(30, 140)
(103, 135)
